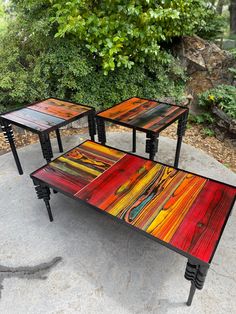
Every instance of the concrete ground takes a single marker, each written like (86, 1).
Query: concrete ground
(85, 262)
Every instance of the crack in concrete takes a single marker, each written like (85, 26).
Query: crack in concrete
(222, 275)
(28, 272)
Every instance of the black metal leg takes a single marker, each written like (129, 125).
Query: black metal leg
(59, 141)
(177, 153)
(196, 274)
(9, 137)
(180, 133)
(46, 146)
(134, 141)
(101, 130)
(43, 192)
(92, 125)
(152, 145)
(191, 293)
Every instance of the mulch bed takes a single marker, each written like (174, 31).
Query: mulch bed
(224, 152)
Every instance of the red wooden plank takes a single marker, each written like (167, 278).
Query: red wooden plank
(200, 230)
(59, 179)
(102, 192)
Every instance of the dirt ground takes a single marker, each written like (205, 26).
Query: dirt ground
(224, 152)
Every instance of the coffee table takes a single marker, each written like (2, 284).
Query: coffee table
(146, 115)
(43, 117)
(183, 211)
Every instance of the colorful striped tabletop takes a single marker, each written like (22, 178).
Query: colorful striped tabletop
(142, 113)
(46, 114)
(183, 210)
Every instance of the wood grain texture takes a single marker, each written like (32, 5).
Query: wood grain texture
(143, 113)
(80, 166)
(33, 119)
(67, 105)
(200, 230)
(45, 114)
(182, 209)
(59, 108)
(162, 201)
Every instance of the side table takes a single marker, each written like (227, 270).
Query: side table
(149, 116)
(42, 118)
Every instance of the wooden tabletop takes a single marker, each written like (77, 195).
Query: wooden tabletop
(144, 114)
(182, 210)
(45, 114)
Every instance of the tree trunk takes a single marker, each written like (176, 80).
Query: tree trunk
(232, 10)
(219, 7)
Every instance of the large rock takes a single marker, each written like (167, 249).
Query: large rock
(206, 64)
(225, 127)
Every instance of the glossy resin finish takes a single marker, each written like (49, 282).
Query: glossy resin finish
(186, 211)
(143, 113)
(46, 114)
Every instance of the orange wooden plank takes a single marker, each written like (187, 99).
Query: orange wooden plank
(54, 110)
(123, 108)
(68, 105)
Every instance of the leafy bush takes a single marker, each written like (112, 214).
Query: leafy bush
(34, 65)
(223, 97)
(208, 132)
(204, 118)
(123, 33)
(213, 25)
(65, 70)
(3, 23)
(14, 75)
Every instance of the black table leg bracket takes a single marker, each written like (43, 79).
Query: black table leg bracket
(9, 137)
(180, 133)
(196, 274)
(46, 146)
(134, 141)
(101, 130)
(92, 125)
(182, 124)
(152, 145)
(43, 192)
(59, 141)
(7, 132)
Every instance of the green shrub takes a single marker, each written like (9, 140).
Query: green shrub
(3, 22)
(13, 78)
(233, 52)
(123, 33)
(212, 25)
(34, 65)
(65, 70)
(223, 97)
(204, 118)
(208, 132)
